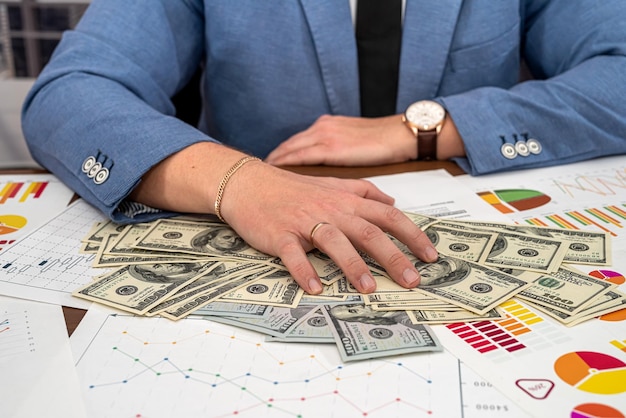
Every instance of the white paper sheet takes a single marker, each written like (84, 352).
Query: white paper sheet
(547, 368)
(27, 201)
(38, 377)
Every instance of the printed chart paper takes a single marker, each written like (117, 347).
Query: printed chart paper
(153, 367)
(38, 376)
(547, 368)
(27, 201)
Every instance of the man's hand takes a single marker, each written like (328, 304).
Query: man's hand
(348, 141)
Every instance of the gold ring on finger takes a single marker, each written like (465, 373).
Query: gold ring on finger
(314, 230)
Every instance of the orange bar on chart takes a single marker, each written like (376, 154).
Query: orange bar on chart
(587, 221)
(35, 189)
(563, 221)
(603, 216)
(9, 191)
(617, 211)
(40, 188)
(536, 222)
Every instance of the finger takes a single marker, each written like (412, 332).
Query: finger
(311, 155)
(295, 259)
(371, 239)
(330, 240)
(299, 141)
(362, 188)
(396, 223)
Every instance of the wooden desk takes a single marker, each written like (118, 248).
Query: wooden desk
(73, 316)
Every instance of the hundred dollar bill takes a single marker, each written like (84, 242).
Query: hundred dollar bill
(566, 290)
(422, 221)
(361, 333)
(323, 299)
(393, 307)
(277, 322)
(609, 300)
(311, 328)
(101, 230)
(138, 288)
(188, 306)
(465, 244)
(89, 247)
(383, 284)
(328, 271)
(275, 289)
(407, 297)
(525, 252)
(125, 242)
(582, 317)
(327, 296)
(469, 285)
(105, 258)
(584, 247)
(414, 307)
(203, 238)
(448, 317)
(237, 310)
(214, 276)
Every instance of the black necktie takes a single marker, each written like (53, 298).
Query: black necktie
(378, 38)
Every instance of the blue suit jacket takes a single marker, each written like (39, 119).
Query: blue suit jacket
(272, 67)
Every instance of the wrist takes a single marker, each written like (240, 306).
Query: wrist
(224, 183)
(425, 119)
(450, 142)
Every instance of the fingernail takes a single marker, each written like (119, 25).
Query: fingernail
(410, 277)
(431, 253)
(315, 287)
(367, 282)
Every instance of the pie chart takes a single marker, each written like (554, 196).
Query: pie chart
(11, 223)
(519, 199)
(611, 277)
(595, 410)
(592, 372)
(608, 275)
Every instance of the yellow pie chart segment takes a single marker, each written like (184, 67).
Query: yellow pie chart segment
(592, 372)
(11, 223)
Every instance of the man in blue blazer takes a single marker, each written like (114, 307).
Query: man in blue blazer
(281, 82)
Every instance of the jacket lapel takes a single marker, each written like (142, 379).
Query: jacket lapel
(427, 34)
(332, 32)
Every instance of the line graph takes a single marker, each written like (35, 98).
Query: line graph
(151, 366)
(609, 183)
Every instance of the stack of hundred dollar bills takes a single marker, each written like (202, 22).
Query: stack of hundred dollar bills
(186, 265)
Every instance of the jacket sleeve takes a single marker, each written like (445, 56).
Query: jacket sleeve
(120, 52)
(576, 104)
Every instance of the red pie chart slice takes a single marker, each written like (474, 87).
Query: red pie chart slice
(592, 372)
(595, 410)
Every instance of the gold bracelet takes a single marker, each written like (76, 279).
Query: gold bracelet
(224, 182)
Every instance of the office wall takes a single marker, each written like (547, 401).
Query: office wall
(13, 150)
(29, 32)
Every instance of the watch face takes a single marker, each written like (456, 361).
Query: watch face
(425, 114)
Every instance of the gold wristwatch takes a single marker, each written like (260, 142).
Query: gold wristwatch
(425, 119)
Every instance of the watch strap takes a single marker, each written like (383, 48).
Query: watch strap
(427, 145)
